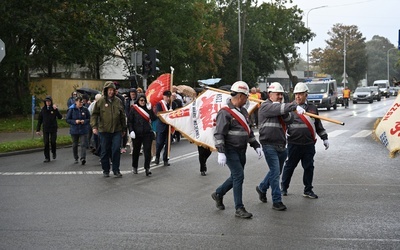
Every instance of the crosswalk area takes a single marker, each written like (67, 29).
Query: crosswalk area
(349, 133)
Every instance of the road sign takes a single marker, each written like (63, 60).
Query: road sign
(2, 50)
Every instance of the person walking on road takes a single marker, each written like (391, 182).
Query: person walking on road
(78, 117)
(162, 129)
(274, 117)
(48, 118)
(109, 121)
(346, 97)
(231, 136)
(301, 143)
(139, 124)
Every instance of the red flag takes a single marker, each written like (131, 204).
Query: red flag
(154, 93)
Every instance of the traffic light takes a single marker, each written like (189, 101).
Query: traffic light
(146, 65)
(154, 61)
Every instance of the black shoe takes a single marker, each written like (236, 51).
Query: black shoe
(118, 175)
(279, 206)
(157, 161)
(203, 173)
(218, 201)
(284, 192)
(83, 161)
(310, 195)
(242, 213)
(106, 174)
(166, 164)
(148, 173)
(262, 196)
(54, 156)
(135, 170)
(46, 160)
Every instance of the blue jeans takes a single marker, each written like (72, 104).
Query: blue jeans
(275, 159)
(305, 153)
(235, 159)
(110, 149)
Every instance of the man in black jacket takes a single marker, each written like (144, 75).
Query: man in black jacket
(48, 117)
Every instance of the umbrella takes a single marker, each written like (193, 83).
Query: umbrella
(210, 81)
(186, 91)
(90, 92)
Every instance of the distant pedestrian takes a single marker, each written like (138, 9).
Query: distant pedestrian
(231, 136)
(346, 97)
(78, 117)
(162, 129)
(139, 124)
(108, 120)
(71, 100)
(48, 118)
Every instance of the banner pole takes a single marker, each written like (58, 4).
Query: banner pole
(170, 106)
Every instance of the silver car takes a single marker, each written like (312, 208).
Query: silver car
(363, 94)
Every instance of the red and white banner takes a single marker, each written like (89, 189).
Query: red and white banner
(388, 129)
(197, 120)
(154, 92)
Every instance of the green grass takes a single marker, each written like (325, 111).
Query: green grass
(32, 143)
(23, 124)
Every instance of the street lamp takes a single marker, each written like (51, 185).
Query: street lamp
(387, 53)
(308, 53)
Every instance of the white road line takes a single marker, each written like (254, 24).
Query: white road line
(362, 133)
(337, 132)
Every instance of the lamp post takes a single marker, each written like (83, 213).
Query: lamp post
(387, 53)
(308, 52)
(240, 43)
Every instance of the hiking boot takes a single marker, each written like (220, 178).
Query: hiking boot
(310, 195)
(218, 201)
(262, 196)
(284, 192)
(279, 206)
(242, 213)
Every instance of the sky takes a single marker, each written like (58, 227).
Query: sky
(372, 17)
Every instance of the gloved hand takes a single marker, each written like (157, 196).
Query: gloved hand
(148, 105)
(221, 159)
(132, 135)
(326, 144)
(300, 110)
(260, 153)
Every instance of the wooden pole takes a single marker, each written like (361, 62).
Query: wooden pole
(170, 106)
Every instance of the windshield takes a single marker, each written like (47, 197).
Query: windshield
(315, 88)
(363, 90)
(380, 85)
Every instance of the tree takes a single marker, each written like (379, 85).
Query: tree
(332, 60)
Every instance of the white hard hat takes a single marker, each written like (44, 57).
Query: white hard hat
(240, 87)
(300, 88)
(275, 87)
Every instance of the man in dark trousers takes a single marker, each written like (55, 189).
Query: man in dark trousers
(48, 117)
(162, 129)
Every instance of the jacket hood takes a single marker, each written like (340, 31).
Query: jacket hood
(107, 85)
(48, 98)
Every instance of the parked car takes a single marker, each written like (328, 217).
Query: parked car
(376, 93)
(340, 96)
(394, 90)
(363, 94)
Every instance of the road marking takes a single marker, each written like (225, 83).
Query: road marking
(337, 132)
(363, 133)
(140, 170)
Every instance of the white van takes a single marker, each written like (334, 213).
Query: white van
(383, 86)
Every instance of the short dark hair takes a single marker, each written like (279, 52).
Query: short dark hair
(167, 93)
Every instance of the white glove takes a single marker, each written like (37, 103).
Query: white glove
(259, 152)
(132, 135)
(148, 105)
(300, 110)
(326, 144)
(221, 159)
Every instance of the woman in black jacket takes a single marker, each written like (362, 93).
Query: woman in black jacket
(139, 124)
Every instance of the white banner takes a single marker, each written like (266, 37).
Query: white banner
(388, 129)
(197, 120)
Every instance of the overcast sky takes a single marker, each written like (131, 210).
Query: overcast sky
(372, 17)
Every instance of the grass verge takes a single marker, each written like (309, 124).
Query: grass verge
(11, 146)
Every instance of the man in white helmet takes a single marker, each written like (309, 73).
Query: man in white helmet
(231, 136)
(274, 117)
(301, 143)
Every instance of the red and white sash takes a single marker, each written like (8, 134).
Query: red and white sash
(163, 105)
(309, 126)
(142, 112)
(239, 117)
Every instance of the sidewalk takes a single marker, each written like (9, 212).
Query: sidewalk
(7, 137)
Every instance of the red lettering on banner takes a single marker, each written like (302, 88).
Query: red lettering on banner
(391, 111)
(207, 109)
(396, 129)
(179, 113)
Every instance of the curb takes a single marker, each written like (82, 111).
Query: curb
(28, 151)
